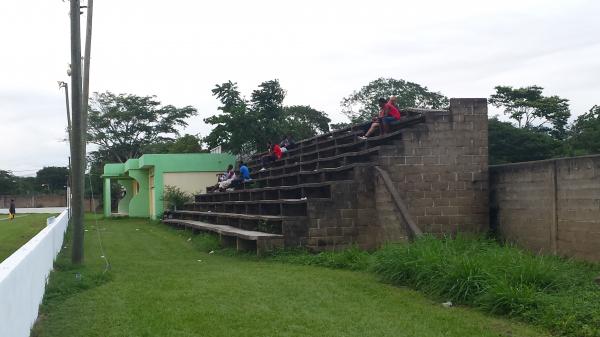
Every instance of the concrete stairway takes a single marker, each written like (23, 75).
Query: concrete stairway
(325, 194)
(308, 198)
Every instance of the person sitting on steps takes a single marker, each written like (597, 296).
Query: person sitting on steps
(243, 176)
(275, 153)
(388, 113)
(287, 144)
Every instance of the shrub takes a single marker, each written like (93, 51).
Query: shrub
(175, 198)
(556, 293)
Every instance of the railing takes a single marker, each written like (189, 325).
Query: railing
(23, 277)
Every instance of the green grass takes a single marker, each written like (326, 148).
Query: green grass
(15, 233)
(163, 283)
(555, 293)
(551, 292)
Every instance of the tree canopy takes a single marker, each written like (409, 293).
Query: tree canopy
(244, 126)
(184, 144)
(125, 124)
(510, 144)
(585, 133)
(361, 105)
(7, 182)
(532, 110)
(53, 178)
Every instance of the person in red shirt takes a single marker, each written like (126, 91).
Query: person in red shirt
(388, 113)
(275, 153)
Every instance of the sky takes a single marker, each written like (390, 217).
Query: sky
(321, 51)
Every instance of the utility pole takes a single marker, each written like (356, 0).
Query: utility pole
(65, 85)
(86, 71)
(77, 145)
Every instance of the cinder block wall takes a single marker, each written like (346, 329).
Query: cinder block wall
(549, 206)
(440, 169)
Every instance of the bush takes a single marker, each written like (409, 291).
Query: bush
(175, 198)
(549, 291)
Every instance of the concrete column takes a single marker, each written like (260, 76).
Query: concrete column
(107, 209)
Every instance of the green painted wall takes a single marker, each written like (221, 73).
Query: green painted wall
(138, 169)
(139, 205)
(124, 203)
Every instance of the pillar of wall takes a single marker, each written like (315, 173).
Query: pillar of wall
(107, 206)
(140, 201)
(440, 168)
(123, 206)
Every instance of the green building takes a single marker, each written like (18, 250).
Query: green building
(144, 179)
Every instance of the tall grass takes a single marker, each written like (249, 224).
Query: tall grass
(352, 258)
(549, 291)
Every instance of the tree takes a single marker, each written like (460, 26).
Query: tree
(302, 121)
(125, 124)
(52, 178)
(361, 105)
(510, 144)
(531, 110)
(8, 182)
(234, 127)
(585, 133)
(244, 127)
(184, 144)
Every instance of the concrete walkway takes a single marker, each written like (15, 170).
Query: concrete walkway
(35, 210)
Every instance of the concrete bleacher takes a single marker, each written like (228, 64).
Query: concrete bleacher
(325, 194)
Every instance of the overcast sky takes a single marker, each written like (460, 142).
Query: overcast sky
(320, 51)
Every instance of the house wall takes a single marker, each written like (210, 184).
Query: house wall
(190, 182)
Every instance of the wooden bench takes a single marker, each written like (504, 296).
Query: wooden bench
(242, 240)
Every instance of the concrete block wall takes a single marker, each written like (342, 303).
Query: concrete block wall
(348, 218)
(549, 206)
(522, 204)
(440, 168)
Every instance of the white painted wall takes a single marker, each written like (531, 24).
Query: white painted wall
(23, 277)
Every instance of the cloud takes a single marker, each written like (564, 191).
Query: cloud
(321, 51)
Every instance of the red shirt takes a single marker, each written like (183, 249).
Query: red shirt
(277, 151)
(392, 110)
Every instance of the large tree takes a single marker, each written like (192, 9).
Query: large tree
(8, 183)
(532, 110)
(361, 105)
(510, 144)
(52, 178)
(184, 144)
(125, 124)
(244, 126)
(585, 133)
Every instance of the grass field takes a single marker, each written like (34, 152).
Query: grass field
(15, 233)
(161, 284)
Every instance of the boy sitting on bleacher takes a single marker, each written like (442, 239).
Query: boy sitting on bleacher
(275, 153)
(388, 113)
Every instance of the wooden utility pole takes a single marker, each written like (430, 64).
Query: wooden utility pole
(86, 71)
(66, 86)
(77, 145)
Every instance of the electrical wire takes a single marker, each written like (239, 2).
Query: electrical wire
(107, 266)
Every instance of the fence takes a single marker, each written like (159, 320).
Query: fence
(550, 206)
(23, 277)
(45, 200)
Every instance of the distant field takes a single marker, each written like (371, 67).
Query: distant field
(15, 233)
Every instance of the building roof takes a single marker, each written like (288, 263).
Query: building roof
(176, 162)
